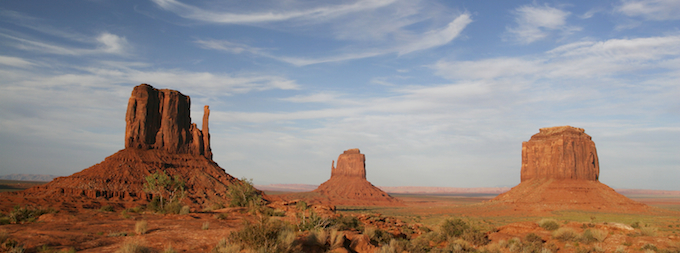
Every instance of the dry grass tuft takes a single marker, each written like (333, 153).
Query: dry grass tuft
(141, 227)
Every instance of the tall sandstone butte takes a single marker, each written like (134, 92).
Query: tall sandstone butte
(159, 137)
(348, 184)
(351, 163)
(560, 171)
(160, 119)
(562, 152)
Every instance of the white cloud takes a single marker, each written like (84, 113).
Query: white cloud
(651, 9)
(536, 23)
(105, 43)
(437, 38)
(323, 12)
(429, 39)
(15, 61)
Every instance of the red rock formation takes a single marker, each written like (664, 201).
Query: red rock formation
(563, 152)
(560, 171)
(348, 184)
(351, 163)
(161, 119)
(159, 137)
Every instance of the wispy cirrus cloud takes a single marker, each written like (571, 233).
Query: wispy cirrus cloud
(535, 23)
(650, 9)
(15, 61)
(104, 43)
(426, 40)
(322, 12)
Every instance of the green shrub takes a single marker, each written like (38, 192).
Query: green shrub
(312, 221)
(549, 224)
(106, 208)
(243, 194)
(346, 222)
(649, 246)
(565, 234)
(265, 235)
(458, 228)
(173, 206)
(635, 224)
(302, 205)
(593, 235)
(454, 228)
(377, 236)
(27, 214)
(161, 185)
(532, 244)
(648, 231)
(205, 226)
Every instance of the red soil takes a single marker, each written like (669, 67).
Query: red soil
(545, 195)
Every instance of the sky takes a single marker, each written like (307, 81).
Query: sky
(434, 93)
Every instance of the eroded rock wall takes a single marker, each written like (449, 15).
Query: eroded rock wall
(351, 163)
(563, 152)
(161, 119)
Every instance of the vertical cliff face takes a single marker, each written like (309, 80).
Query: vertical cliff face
(161, 119)
(563, 152)
(351, 163)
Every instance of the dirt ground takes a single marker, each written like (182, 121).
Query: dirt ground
(94, 230)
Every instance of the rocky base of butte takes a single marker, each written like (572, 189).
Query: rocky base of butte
(348, 185)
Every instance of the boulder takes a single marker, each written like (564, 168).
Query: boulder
(562, 152)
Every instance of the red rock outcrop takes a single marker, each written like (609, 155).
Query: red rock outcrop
(351, 163)
(159, 137)
(348, 184)
(161, 119)
(562, 152)
(560, 171)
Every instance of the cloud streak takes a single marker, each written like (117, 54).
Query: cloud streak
(326, 12)
(534, 23)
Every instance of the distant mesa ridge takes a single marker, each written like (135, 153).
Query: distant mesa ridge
(562, 152)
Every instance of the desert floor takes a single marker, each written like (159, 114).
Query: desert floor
(97, 230)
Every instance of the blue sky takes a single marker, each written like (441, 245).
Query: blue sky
(435, 93)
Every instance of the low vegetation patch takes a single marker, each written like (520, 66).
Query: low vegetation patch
(27, 214)
(549, 224)
(265, 235)
(141, 227)
(565, 234)
(133, 246)
(164, 188)
(244, 194)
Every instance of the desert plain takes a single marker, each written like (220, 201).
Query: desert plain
(164, 193)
